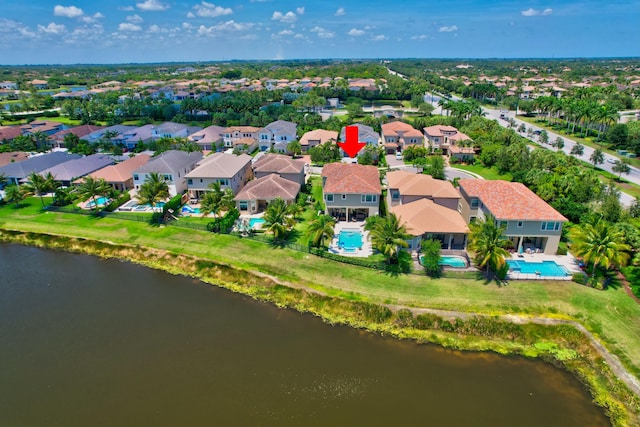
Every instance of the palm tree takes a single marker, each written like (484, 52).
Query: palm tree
(90, 188)
(577, 149)
(38, 185)
(599, 244)
(216, 200)
(559, 143)
(320, 229)
(153, 190)
(597, 157)
(489, 243)
(294, 148)
(388, 236)
(621, 167)
(276, 219)
(14, 194)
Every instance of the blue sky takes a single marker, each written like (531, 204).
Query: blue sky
(118, 31)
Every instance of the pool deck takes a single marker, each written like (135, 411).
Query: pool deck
(363, 252)
(567, 261)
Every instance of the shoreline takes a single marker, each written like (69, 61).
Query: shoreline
(558, 341)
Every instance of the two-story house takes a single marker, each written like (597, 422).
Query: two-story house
(172, 166)
(281, 133)
(531, 224)
(396, 136)
(284, 166)
(366, 134)
(448, 139)
(317, 137)
(428, 207)
(17, 172)
(229, 170)
(65, 173)
(209, 138)
(120, 175)
(351, 192)
(248, 136)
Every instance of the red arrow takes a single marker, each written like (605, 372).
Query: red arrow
(352, 146)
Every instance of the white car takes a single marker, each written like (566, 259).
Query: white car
(611, 160)
(398, 156)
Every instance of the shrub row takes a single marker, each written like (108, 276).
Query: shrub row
(362, 262)
(116, 203)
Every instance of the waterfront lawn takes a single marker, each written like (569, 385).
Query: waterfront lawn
(487, 173)
(610, 314)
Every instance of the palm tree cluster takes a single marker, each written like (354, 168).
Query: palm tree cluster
(388, 235)
(461, 110)
(320, 230)
(216, 200)
(489, 243)
(278, 218)
(153, 190)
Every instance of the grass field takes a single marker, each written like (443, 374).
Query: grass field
(611, 314)
(486, 173)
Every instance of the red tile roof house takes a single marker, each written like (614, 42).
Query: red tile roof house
(351, 192)
(398, 135)
(80, 131)
(230, 170)
(429, 208)
(531, 223)
(120, 176)
(284, 166)
(256, 195)
(317, 137)
(448, 139)
(12, 157)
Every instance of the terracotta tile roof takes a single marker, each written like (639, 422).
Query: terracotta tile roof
(9, 132)
(244, 141)
(12, 157)
(120, 172)
(510, 200)
(399, 128)
(411, 184)
(241, 129)
(268, 188)
(437, 130)
(425, 216)
(79, 131)
(278, 163)
(348, 178)
(320, 135)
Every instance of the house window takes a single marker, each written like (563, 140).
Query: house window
(520, 224)
(328, 197)
(344, 197)
(550, 226)
(474, 203)
(136, 177)
(244, 205)
(503, 224)
(395, 195)
(190, 181)
(368, 198)
(167, 178)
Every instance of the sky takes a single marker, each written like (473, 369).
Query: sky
(139, 31)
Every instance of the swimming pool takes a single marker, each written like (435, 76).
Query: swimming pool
(455, 261)
(256, 222)
(189, 209)
(98, 202)
(544, 268)
(350, 240)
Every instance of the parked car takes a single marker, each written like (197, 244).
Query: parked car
(398, 156)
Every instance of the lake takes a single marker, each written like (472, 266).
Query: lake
(90, 342)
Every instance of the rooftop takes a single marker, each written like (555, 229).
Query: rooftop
(121, 172)
(411, 184)
(220, 165)
(278, 163)
(351, 178)
(425, 216)
(268, 188)
(510, 200)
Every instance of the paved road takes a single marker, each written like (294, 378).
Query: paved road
(633, 176)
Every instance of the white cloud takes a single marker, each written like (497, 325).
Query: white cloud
(448, 29)
(210, 10)
(68, 11)
(9, 29)
(152, 6)
(322, 33)
(127, 26)
(135, 19)
(340, 12)
(91, 19)
(288, 17)
(154, 28)
(229, 26)
(355, 32)
(190, 15)
(300, 11)
(379, 37)
(533, 12)
(127, 8)
(52, 28)
(420, 37)
(285, 33)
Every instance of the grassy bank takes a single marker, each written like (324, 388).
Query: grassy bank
(563, 345)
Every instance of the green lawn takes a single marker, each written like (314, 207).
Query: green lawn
(611, 314)
(486, 173)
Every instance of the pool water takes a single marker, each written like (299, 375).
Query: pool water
(256, 222)
(189, 209)
(349, 240)
(453, 261)
(98, 201)
(544, 268)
